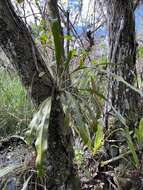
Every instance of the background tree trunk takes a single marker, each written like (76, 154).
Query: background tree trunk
(18, 45)
(122, 58)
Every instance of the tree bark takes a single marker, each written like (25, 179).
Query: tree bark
(122, 58)
(60, 151)
(18, 45)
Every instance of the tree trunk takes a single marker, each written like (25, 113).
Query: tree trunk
(18, 45)
(122, 58)
(60, 151)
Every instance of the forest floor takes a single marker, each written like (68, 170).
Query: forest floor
(18, 159)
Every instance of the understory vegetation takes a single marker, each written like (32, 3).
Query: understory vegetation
(71, 104)
(15, 107)
(92, 141)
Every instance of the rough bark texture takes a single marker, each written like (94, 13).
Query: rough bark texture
(17, 43)
(60, 152)
(122, 57)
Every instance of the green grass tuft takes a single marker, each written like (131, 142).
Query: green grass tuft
(15, 107)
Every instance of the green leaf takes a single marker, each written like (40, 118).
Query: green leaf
(77, 119)
(97, 101)
(94, 62)
(119, 116)
(140, 52)
(121, 79)
(139, 132)
(103, 60)
(81, 62)
(116, 77)
(68, 59)
(43, 37)
(38, 129)
(68, 37)
(131, 147)
(99, 138)
(71, 54)
(55, 26)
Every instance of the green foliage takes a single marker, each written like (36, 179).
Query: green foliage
(41, 32)
(79, 156)
(82, 121)
(38, 129)
(70, 56)
(43, 37)
(15, 107)
(68, 37)
(140, 52)
(102, 61)
(82, 57)
(67, 62)
(55, 26)
(139, 132)
(77, 120)
(120, 79)
(83, 103)
(131, 147)
(99, 138)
